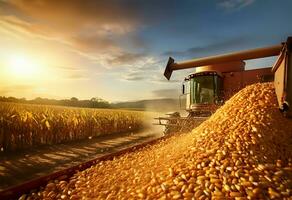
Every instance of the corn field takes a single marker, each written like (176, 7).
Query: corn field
(23, 126)
(243, 151)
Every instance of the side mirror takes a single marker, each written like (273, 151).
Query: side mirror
(183, 88)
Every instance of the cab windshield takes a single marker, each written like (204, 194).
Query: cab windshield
(204, 89)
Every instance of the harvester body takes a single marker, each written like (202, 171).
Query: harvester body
(209, 87)
(217, 78)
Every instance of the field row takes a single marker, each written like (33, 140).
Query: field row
(23, 126)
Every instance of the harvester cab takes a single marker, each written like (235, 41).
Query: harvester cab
(217, 78)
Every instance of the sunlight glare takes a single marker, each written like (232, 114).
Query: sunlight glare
(22, 66)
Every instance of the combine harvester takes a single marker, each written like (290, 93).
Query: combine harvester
(216, 79)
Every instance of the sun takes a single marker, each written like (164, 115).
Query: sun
(22, 66)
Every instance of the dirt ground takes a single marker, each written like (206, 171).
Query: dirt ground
(29, 164)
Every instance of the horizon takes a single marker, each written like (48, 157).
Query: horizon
(69, 98)
(117, 50)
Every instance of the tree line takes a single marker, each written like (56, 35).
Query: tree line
(74, 102)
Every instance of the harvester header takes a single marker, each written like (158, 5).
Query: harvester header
(224, 58)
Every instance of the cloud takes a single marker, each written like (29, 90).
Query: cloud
(147, 69)
(66, 68)
(19, 24)
(93, 43)
(69, 16)
(72, 73)
(234, 4)
(76, 76)
(160, 79)
(166, 93)
(141, 67)
(150, 76)
(134, 76)
(90, 27)
(18, 27)
(126, 57)
(7, 90)
(211, 48)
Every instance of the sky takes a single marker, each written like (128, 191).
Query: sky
(117, 49)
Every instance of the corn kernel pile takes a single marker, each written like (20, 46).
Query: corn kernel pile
(243, 151)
